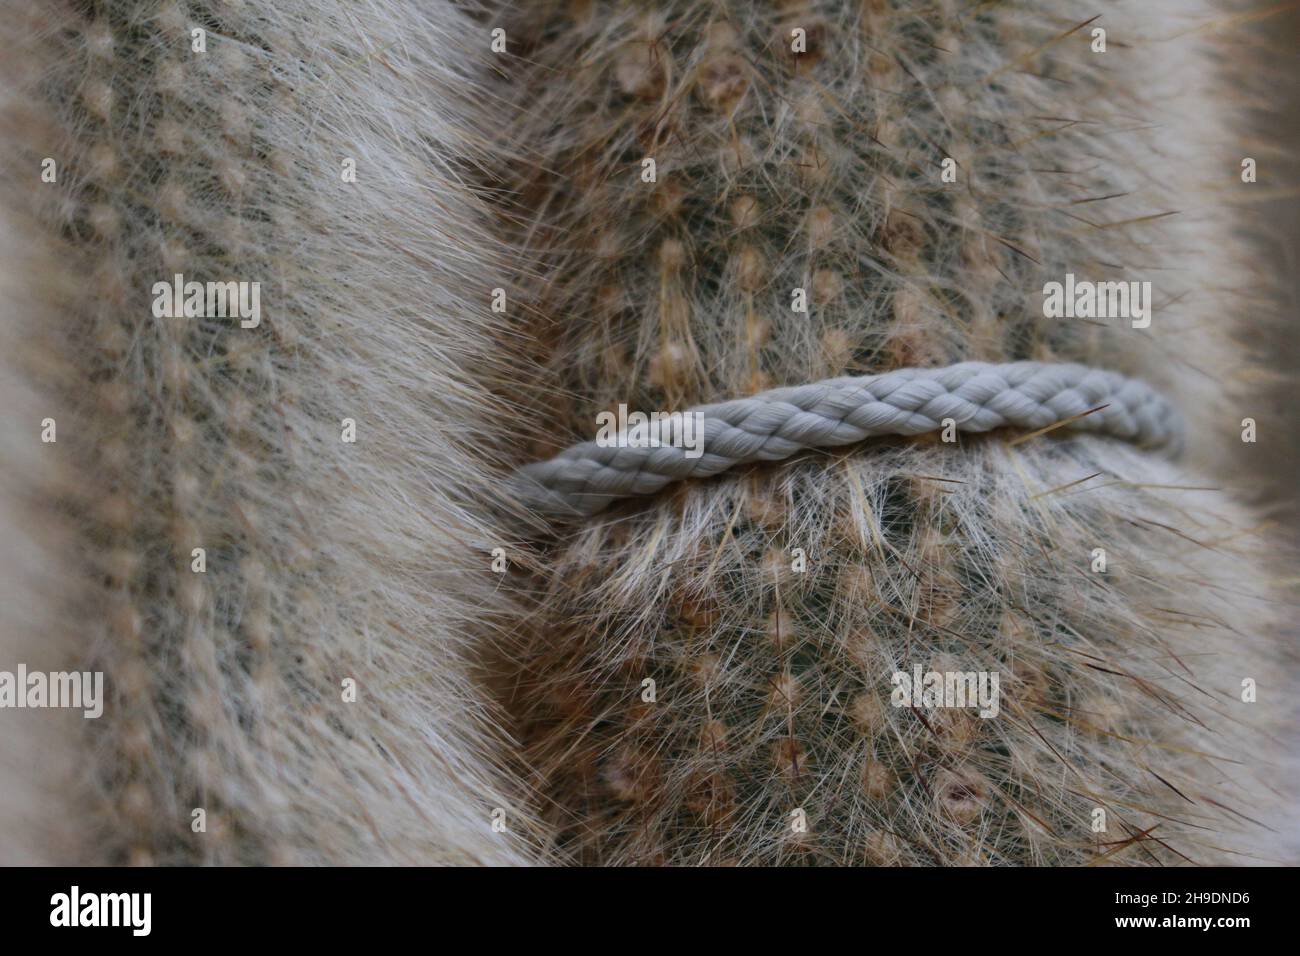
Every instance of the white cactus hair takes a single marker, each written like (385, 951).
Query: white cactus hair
(370, 560)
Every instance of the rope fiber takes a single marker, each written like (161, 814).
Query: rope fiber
(773, 425)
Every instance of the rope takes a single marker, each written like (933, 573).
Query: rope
(771, 426)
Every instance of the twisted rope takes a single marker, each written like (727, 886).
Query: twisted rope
(776, 424)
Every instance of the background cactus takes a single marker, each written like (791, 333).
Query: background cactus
(325, 560)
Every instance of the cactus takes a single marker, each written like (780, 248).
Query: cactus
(836, 187)
(325, 560)
(707, 676)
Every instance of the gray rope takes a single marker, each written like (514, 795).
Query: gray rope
(776, 424)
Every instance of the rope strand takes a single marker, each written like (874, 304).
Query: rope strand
(770, 426)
